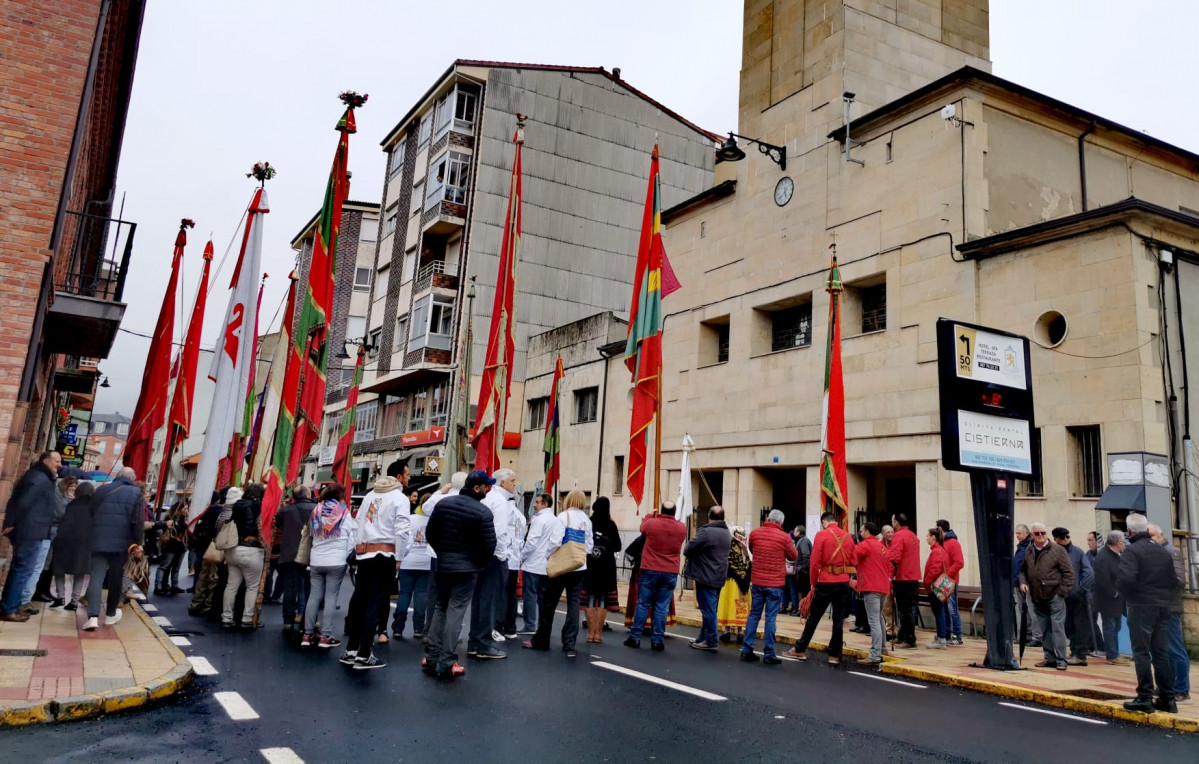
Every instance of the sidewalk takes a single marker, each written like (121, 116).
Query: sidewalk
(50, 670)
(1097, 689)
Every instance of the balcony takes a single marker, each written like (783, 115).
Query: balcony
(89, 281)
(433, 275)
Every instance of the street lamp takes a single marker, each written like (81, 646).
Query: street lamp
(731, 152)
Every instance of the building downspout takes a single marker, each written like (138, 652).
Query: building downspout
(1082, 164)
(603, 407)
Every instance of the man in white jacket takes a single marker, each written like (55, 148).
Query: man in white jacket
(544, 537)
(488, 602)
(506, 625)
(380, 528)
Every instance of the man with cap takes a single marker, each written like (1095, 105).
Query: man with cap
(1078, 629)
(486, 607)
(381, 527)
(462, 532)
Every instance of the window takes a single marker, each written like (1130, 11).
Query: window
(123, 429)
(409, 265)
(418, 191)
(363, 277)
(364, 422)
(586, 405)
(397, 158)
(432, 323)
(791, 327)
(98, 428)
(374, 339)
(1033, 488)
(381, 280)
(874, 308)
(1086, 461)
(367, 229)
(355, 328)
(464, 111)
(447, 179)
(101, 446)
(393, 418)
(116, 449)
(332, 428)
(444, 111)
(439, 415)
(420, 407)
(401, 332)
(713, 341)
(389, 219)
(537, 411)
(618, 489)
(426, 128)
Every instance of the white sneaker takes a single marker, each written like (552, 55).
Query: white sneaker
(92, 624)
(112, 620)
(936, 644)
(497, 637)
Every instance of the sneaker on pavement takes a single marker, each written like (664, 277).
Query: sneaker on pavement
(1141, 705)
(72, 606)
(1046, 664)
(1168, 706)
(1074, 660)
(771, 660)
(306, 640)
(702, 645)
(633, 643)
(491, 655)
(497, 637)
(657, 647)
(936, 644)
(371, 662)
(1182, 697)
(906, 646)
(509, 635)
(58, 604)
(749, 656)
(834, 660)
(328, 641)
(793, 653)
(92, 624)
(349, 657)
(15, 616)
(29, 609)
(867, 661)
(453, 672)
(571, 653)
(1062, 666)
(954, 642)
(526, 632)
(114, 618)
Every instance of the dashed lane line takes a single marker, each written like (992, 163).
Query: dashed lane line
(181, 641)
(161, 620)
(658, 681)
(1055, 713)
(149, 608)
(202, 666)
(281, 756)
(235, 706)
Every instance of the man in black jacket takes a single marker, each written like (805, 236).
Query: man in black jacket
(1150, 584)
(1109, 600)
(462, 534)
(289, 526)
(118, 524)
(708, 565)
(32, 512)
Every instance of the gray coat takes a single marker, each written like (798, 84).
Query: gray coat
(118, 517)
(708, 555)
(35, 507)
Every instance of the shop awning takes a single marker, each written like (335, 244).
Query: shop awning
(1123, 497)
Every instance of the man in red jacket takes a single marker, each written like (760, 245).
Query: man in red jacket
(957, 561)
(771, 547)
(832, 562)
(874, 583)
(664, 536)
(904, 553)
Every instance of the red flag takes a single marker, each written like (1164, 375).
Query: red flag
(345, 443)
(643, 352)
(497, 369)
(553, 437)
(833, 482)
(151, 407)
(179, 421)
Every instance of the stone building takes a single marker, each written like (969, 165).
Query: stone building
(586, 160)
(953, 193)
(64, 97)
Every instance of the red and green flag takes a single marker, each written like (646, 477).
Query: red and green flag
(238, 445)
(832, 421)
(345, 441)
(501, 340)
(553, 435)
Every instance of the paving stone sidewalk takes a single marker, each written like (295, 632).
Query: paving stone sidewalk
(1096, 688)
(69, 673)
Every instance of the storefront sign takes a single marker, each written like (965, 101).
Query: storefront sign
(994, 443)
(423, 437)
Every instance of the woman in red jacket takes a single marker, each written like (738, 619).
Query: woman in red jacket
(934, 567)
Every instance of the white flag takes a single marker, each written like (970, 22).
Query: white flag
(233, 359)
(684, 503)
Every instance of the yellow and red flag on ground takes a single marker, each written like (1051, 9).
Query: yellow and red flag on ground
(501, 340)
(345, 440)
(832, 421)
(553, 434)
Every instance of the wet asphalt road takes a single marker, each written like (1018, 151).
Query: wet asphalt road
(543, 707)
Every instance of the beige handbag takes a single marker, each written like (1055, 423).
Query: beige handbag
(569, 557)
(304, 550)
(214, 555)
(227, 538)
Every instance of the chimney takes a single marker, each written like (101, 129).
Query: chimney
(616, 72)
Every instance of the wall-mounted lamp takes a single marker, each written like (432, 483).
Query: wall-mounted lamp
(731, 152)
(104, 382)
(359, 341)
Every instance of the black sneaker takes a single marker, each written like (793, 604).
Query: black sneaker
(702, 645)
(492, 654)
(348, 657)
(658, 647)
(371, 662)
(633, 643)
(771, 660)
(71, 606)
(1169, 706)
(749, 656)
(57, 604)
(571, 653)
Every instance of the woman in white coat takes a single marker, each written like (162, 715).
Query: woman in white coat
(574, 525)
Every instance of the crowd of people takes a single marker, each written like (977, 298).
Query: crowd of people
(468, 545)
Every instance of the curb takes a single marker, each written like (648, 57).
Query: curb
(21, 713)
(896, 666)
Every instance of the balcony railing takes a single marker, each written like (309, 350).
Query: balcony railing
(94, 256)
(427, 274)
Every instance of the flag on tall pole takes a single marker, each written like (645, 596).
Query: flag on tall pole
(233, 357)
(272, 392)
(684, 504)
(241, 433)
(302, 400)
(501, 340)
(151, 409)
(345, 441)
(179, 422)
(553, 435)
(643, 351)
(832, 420)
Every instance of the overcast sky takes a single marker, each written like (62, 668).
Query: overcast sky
(221, 85)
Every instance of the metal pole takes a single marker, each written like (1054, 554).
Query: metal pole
(1192, 512)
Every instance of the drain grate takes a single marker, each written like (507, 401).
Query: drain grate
(22, 653)
(1090, 694)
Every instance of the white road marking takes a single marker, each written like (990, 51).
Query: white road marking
(236, 706)
(659, 681)
(1055, 713)
(281, 756)
(181, 641)
(202, 666)
(888, 679)
(150, 608)
(161, 620)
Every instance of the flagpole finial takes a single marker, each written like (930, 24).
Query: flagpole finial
(186, 223)
(521, 121)
(261, 172)
(208, 249)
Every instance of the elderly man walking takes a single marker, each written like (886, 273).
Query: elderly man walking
(1148, 580)
(1109, 600)
(32, 513)
(1047, 577)
(118, 526)
(708, 565)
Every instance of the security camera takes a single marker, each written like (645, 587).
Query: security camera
(949, 112)
(1166, 258)
(849, 96)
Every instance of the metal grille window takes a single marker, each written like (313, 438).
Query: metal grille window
(537, 410)
(874, 308)
(1033, 488)
(364, 423)
(791, 327)
(1086, 461)
(586, 405)
(440, 413)
(420, 408)
(722, 343)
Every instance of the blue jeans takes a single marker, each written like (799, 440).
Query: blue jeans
(770, 597)
(953, 616)
(791, 595)
(414, 589)
(941, 614)
(1178, 654)
(708, 597)
(1111, 635)
(654, 589)
(534, 585)
(28, 559)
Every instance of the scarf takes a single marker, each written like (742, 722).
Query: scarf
(327, 519)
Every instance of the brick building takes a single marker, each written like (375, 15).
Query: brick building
(104, 444)
(64, 96)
